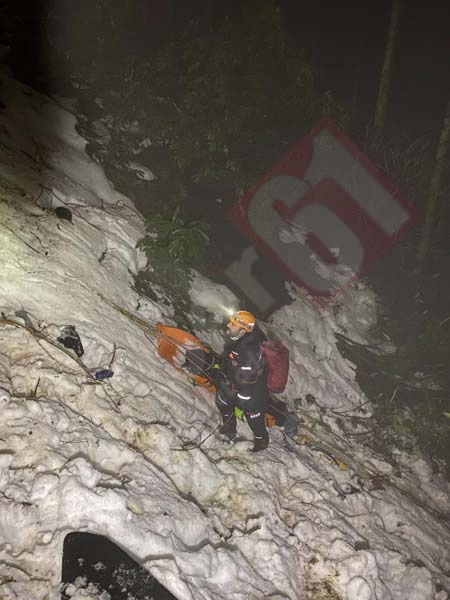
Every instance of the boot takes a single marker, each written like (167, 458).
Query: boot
(230, 435)
(260, 444)
(228, 429)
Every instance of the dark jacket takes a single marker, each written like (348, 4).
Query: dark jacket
(246, 370)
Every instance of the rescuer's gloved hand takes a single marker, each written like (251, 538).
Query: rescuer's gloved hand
(217, 376)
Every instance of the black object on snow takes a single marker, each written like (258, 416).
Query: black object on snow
(63, 213)
(109, 568)
(283, 417)
(199, 361)
(104, 374)
(69, 338)
(278, 410)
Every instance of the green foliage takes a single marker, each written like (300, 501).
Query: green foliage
(223, 101)
(407, 163)
(408, 425)
(185, 242)
(173, 246)
(426, 353)
(408, 393)
(410, 387)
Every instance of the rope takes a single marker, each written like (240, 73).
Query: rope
(38, 335)
(152, 331)
(187, 446)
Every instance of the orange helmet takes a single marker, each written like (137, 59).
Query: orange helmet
(243, 319)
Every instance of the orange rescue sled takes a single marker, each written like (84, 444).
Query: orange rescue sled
(173, 343)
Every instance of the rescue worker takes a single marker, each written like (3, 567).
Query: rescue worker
(245, 384)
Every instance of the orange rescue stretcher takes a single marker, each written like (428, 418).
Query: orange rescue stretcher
(173, 343)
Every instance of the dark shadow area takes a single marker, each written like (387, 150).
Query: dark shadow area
(101, 563)
(23, 36)
(407, 411)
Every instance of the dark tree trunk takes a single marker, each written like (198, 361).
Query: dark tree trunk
(386, 72)
(434, 190)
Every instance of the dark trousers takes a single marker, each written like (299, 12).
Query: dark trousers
(226, 403)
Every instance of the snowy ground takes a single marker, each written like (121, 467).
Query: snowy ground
(105, 457)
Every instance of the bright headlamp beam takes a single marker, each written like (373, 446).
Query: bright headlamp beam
(227, 310)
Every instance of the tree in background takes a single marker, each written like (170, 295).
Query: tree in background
(221, 99)
(386, 72)
(435, 188)
(229, 99)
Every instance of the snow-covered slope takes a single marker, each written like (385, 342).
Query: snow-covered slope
(214, 522)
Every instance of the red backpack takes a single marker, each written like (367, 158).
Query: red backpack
(277, 359)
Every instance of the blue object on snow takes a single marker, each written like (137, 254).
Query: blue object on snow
(103, 374)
